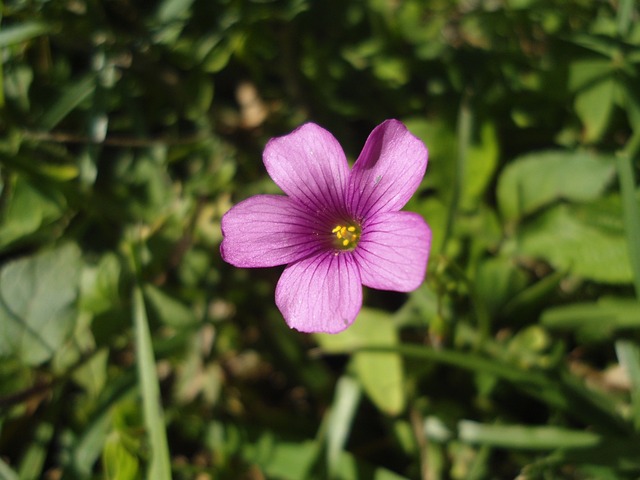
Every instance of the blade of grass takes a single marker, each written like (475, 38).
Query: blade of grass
(72, 96)
(557, 389)
(630, 206)
(6, 473)
(629, 357)
(160, 465)
(525, 437)
(346, 401)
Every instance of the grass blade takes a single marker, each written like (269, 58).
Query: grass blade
(629, 357)
(160, 465)
(6, 473)
(525, 437)
(346, 401)
(630, 210)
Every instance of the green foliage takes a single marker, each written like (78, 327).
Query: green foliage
(129, 350)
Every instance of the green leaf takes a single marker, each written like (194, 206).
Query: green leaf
(538, 179)
(118, 462)
(29, 207)
(525, 437)
(631, 214)
(160, 464)
(594, 105)
(33, 460)
(628, 354)
(170, 10)
(481, 162)
(625, 16)
(72, 96)
(21, 33)
(6, 473)
(497, 281)
(583, 73)
(380, 374)
(37, 303)
(343, 409)
(586, 240)
(169, 310)
(595, 321)
(281, 459)
(100, 285)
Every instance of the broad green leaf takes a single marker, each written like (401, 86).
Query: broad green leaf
(29, 207)
(92, 375)
(280, 459)
(21, 33)
(440, 138)
(583, 73)
(169, 310)
(498, 279)
(594, 105)
(351, 468)
(72, 96)
(37, 303)
(525, 437)
(585, 240)
(380, 373)
(100, 285)
(625, 16)
(538, 179)
(118, 461)
(170, 10)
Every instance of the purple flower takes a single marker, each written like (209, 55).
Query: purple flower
(338, 228)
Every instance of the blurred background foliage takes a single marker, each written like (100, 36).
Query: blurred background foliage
(128, 349)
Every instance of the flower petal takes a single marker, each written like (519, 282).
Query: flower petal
(321, 293)
(388, 170)
(265, 231)
(393, 251)
(309, 165)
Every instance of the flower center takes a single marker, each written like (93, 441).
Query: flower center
(346, 236)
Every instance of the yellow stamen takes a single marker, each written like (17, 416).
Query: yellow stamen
(347, 236)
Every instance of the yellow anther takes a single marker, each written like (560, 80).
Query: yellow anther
(346, 236)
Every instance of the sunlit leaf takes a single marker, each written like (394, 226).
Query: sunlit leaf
(21, 32)
(380, 373)
(37, 303)
(538, 179)
(594, 105)
(578, 240)
(29, 207)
